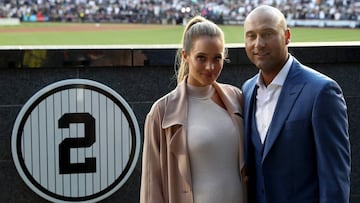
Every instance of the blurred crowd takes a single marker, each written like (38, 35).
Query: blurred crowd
(171, 11)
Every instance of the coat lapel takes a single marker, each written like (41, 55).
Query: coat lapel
(289, 93)
(175, 122)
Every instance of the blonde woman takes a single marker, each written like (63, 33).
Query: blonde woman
(193, 136)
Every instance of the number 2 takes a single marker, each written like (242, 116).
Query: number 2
(89, 166)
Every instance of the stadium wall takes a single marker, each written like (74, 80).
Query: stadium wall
(141, 75)
(9, 21)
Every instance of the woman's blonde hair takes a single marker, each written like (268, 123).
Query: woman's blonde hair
(197, 26)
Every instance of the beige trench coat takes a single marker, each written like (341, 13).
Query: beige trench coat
(166, 176)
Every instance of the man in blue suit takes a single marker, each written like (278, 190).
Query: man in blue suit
(297, 143)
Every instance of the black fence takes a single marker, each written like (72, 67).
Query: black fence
(141, 75)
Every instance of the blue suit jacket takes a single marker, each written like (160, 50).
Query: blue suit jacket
(306, 155)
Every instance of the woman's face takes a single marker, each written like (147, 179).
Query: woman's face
(205, 60)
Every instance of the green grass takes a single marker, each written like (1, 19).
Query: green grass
(162, 35)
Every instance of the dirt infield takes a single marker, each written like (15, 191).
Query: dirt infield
(64, 27)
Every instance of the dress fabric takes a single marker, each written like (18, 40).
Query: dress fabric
(213, 145)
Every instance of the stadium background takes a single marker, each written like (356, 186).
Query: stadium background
(175, 11)
(141, 75)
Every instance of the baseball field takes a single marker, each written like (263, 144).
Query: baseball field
(138, 34)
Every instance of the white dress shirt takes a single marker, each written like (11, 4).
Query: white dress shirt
(267, 97)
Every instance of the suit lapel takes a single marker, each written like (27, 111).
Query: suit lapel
(249, 91)
(289, 93)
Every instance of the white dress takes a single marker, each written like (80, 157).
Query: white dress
(213, 146)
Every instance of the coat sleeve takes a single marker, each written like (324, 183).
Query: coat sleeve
(151, 180)
(330, 125)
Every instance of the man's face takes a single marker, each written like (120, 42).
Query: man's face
(266, 42)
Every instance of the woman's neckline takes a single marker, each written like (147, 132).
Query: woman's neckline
(203, 92)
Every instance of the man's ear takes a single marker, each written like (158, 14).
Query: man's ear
(287, 36)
